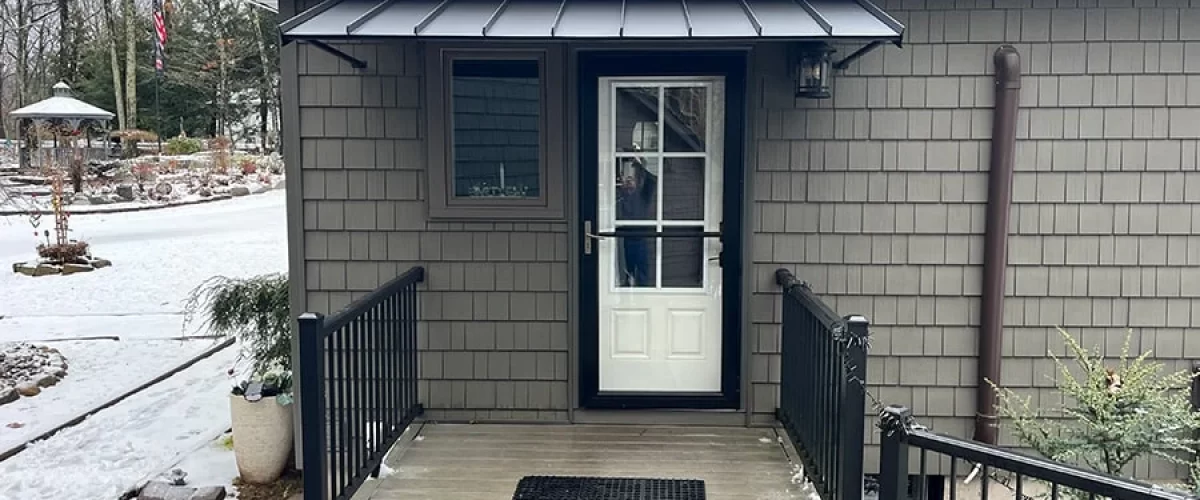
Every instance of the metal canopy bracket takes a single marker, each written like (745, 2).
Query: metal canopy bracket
(355, 62)
(844, 63)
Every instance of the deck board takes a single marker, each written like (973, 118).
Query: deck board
(485, 461)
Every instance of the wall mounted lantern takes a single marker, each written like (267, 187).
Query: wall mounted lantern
(813, 67)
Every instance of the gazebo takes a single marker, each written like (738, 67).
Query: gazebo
(66, 117)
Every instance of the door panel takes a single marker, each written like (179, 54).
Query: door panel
(659, 214)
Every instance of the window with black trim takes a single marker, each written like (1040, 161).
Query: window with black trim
(496, 134)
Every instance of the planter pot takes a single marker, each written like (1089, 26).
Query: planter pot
(262, 438)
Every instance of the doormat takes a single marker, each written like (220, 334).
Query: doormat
(607, 488)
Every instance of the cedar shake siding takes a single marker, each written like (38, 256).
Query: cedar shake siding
(494, 305)
(875, 197)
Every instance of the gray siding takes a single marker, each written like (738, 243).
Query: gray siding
(494, 336)
(877, 197)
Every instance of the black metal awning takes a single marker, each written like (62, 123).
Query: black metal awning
(334, 20)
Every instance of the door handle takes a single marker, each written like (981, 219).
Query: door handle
(588, 236)
(720, 259)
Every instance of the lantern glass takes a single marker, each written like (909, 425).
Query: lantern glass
(813, 71)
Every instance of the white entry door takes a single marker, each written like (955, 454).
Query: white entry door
(658, 218)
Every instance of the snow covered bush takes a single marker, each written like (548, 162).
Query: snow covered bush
(1110, 415)
(256, 311)
(183, 145)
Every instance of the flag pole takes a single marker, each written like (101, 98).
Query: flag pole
(158, 111)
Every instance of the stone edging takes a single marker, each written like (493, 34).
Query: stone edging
(117, 210)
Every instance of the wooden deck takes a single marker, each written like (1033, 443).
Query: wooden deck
(485, 461)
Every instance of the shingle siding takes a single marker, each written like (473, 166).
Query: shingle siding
(494, 307)
(877, 196)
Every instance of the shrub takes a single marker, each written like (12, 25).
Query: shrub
(248, 166)
(182, 145)
(64, 252)
(255, 310)
(1110, 416)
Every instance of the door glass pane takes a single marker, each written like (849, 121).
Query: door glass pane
(683, 188)
(637, 188)
(636, 121)
(683, 258)
(636, 259)
(497, 128)
(687, 111)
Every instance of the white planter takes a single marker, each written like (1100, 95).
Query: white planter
(262, 438)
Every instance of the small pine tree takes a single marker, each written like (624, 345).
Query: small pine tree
(1110, 416)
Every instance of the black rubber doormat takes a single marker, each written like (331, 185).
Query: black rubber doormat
(607, 488)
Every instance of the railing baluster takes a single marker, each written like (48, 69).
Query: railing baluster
(953, 479)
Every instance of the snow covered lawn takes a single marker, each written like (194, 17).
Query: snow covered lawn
(158, 257)
(110, 452)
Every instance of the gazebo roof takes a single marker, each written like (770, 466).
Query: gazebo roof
(61, 106)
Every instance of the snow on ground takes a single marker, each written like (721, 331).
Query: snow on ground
(91, 381)
(158, 257)
(102, 457)
(211, 465)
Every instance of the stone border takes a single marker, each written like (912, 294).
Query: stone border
(117, 210)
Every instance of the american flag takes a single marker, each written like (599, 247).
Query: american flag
(160, 36)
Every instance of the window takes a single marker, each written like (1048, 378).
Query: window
(496, 134)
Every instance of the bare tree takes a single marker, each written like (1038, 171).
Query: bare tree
(131, 107)
(114, 59)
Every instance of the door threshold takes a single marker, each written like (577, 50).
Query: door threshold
(709, 418)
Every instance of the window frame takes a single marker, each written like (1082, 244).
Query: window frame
(443, 203)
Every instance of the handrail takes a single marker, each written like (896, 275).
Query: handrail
(356, 308)
(900, 434)
(802, 292)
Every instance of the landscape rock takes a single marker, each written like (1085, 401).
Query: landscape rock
(71, 268)
(163, 188)
(26, 369)
(159, 490)
(98, 199)
(262, 188)
(125, 192)
(45, 380)
(204, 192)
(209, 493)
(8, 395)
(280, 184)
(239, 190)
(28, 389)
(35, 269)
(101, 263)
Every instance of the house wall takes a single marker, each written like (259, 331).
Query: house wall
(494, 307)
(877, 196)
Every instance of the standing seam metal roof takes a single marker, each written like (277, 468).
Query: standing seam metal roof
(595, 19)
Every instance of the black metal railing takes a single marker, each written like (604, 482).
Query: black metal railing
(994, 471)
(821, 392)
(358, 386)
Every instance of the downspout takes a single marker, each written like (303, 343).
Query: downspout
(995, 239)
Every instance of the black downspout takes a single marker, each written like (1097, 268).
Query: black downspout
(995, 239)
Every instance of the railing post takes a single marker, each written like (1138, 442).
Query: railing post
(853, 410)
(312, 405)
(893, 455)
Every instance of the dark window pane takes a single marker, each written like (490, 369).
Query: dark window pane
(636, 259)
(687, 112)
(497, 128)
(683, 258)
(683, 188)
(637, 188)
(636, 122)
